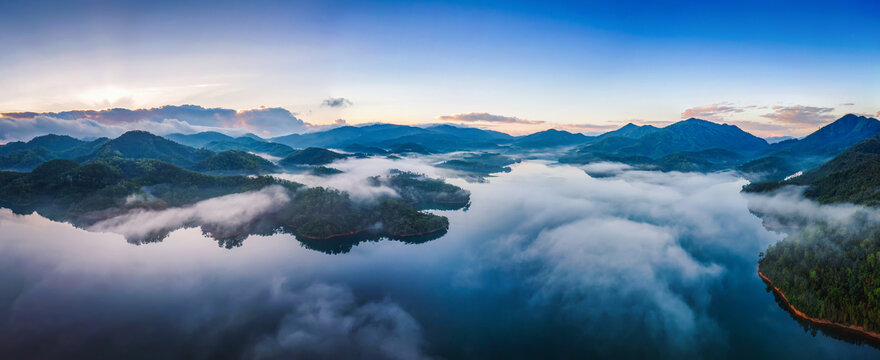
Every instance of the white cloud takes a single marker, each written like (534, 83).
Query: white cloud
(221, 213)
(162, 120)
(326, 322)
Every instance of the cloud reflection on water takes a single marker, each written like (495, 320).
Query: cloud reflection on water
(630, 265)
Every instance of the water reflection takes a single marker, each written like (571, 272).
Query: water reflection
(547, 263)
(322, 219)
(850, 336)
(231, 236)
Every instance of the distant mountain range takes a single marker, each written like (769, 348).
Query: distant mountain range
(683, 146)
(826, 142)
(630, 131)
(688, 145)
(143, 145)
(853, 176)
(551, 138)
(687, 135)
(439, 138)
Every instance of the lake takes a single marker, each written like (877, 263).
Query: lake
(546, 262)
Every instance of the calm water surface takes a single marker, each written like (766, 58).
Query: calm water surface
(546, 263)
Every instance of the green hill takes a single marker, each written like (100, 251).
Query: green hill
(767, 168)
(423, 192)
(249, 144)
(699, 161)
(694, 135)
(234, 160)
(311, 156)
(199, 139)
(631, 131)
(77, 189)
(675, 147)
(143, 145)
(25, 156)
(551, 138)
(482, 163)
(64, 190)
(830, 272)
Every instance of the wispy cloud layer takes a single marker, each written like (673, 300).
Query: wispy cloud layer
(486, 117)
(783, 120)
(12, 129)
(800, 115)
(715, 112)
(222, 213)
(160, 120)
(652, 265)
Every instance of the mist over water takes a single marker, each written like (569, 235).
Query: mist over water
(546, 262)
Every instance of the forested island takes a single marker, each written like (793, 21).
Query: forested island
(829, 271)
(85, 194)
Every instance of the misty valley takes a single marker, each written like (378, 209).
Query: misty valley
(695, 239)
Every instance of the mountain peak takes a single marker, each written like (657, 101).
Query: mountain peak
(697, 121)
(136, 133)
(554, 131)
(848, 123)
(852, 118)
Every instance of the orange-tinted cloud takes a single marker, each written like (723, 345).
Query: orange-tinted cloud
(489, 118)
(801, 116)
(715, 112)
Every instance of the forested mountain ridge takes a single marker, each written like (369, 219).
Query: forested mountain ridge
(198, 140)
(551, 138)
(235, 160)
(144, 145)
(631, 131)
(853, 177)
(823, 144)
(27, 155)
(682, 146)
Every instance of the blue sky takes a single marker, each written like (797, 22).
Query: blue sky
(772, 68)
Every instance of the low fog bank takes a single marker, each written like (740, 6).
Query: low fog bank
(786, 209)
(355, 175)
(224, 213)
(634, 264)
(327, 322)
(637, 254)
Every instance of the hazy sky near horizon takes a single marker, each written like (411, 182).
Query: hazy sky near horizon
(773, 68)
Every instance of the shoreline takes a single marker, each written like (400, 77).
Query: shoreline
(433, 231)
(854, 329)
(352, 233)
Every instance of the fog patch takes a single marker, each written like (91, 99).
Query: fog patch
(788, 209)
(640, 248)
(326, 322)
(273, 159)
(356, 174)
(605, 169)
(224, 212)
